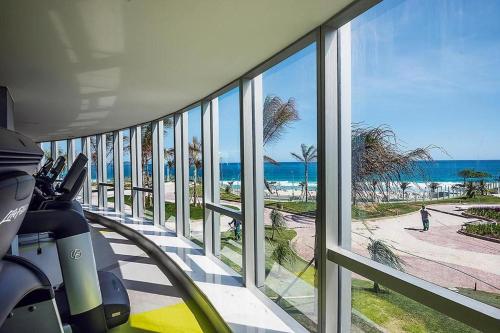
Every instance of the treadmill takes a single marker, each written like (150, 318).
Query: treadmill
(87, 301)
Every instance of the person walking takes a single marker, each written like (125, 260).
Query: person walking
(236, 226)
(424, 213)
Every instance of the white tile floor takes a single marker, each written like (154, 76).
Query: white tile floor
(244, 309)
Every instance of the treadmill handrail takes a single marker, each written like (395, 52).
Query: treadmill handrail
(62, 223)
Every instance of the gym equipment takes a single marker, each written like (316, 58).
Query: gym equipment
(88, 301)
(27, 300)
(62, 197)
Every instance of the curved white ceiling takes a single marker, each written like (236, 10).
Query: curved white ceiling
(76, 68)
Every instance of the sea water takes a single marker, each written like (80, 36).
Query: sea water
(288, 175)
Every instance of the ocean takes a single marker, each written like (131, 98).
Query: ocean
(289, 174)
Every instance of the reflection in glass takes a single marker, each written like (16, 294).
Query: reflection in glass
(93, 171)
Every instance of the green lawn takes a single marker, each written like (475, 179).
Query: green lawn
(398, 313)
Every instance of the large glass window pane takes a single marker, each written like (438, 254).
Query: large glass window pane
(389, 311)
(127, 172)
(110, 171)
(169, 169)
(77, 147)
(425, 160)
(94, 200)
(62, 150)
(195, 176)
(290, 177)
(47, 152)
(229, 161)
(147, 169)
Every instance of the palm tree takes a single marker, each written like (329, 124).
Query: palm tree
(377, 154)
(382, 253)
(374, 190)
(307, 155)
(170, 159)
(195, 160)
(283, 253)
(277, 222)
(404, 186)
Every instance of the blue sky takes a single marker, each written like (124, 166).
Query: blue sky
(429, 69)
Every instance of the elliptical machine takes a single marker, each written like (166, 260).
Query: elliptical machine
(88, 301)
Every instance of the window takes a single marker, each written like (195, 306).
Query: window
(228, 180)
(146, 192)
(290, 178)
(94, 199)
(62, 150)
(77, 148)
(47, 152)
(419, 71)
(127, 172)
(170, 170)
(195, 176)
(110, 174)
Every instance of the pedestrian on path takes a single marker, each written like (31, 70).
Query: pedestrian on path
(236, 226)
(424, 213)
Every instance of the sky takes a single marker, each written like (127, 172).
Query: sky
(429, 69)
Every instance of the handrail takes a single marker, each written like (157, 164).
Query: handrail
(142, 189)
(235, 214)
(476, 314)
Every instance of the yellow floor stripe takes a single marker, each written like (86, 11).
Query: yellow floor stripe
(177, 318)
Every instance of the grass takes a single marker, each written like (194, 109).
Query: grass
(195, 211)
(398, 313)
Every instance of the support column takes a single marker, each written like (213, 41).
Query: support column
(206, 124)
(258, 173)
(247, 180)
(179, 183)
(87, 186)
(118, 171)
(71, 152)
(6, 109)
(185, 177)
(53, 150)
(136, 166)
(101, 171)
(215, 163)
(158, 174)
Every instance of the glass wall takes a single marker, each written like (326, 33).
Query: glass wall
(423, 180)
(77, 148)
(110, 174)
(228, 159)
(47, 152)
(62, 150)
(195, 176)
(147, 169)
(169, 172)
(290, 178)
(94, 199)
(127, 172)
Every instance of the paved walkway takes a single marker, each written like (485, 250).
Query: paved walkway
(440, 255)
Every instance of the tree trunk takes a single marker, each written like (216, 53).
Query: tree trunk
(306, 174)
(376, 287)
(195, 195)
